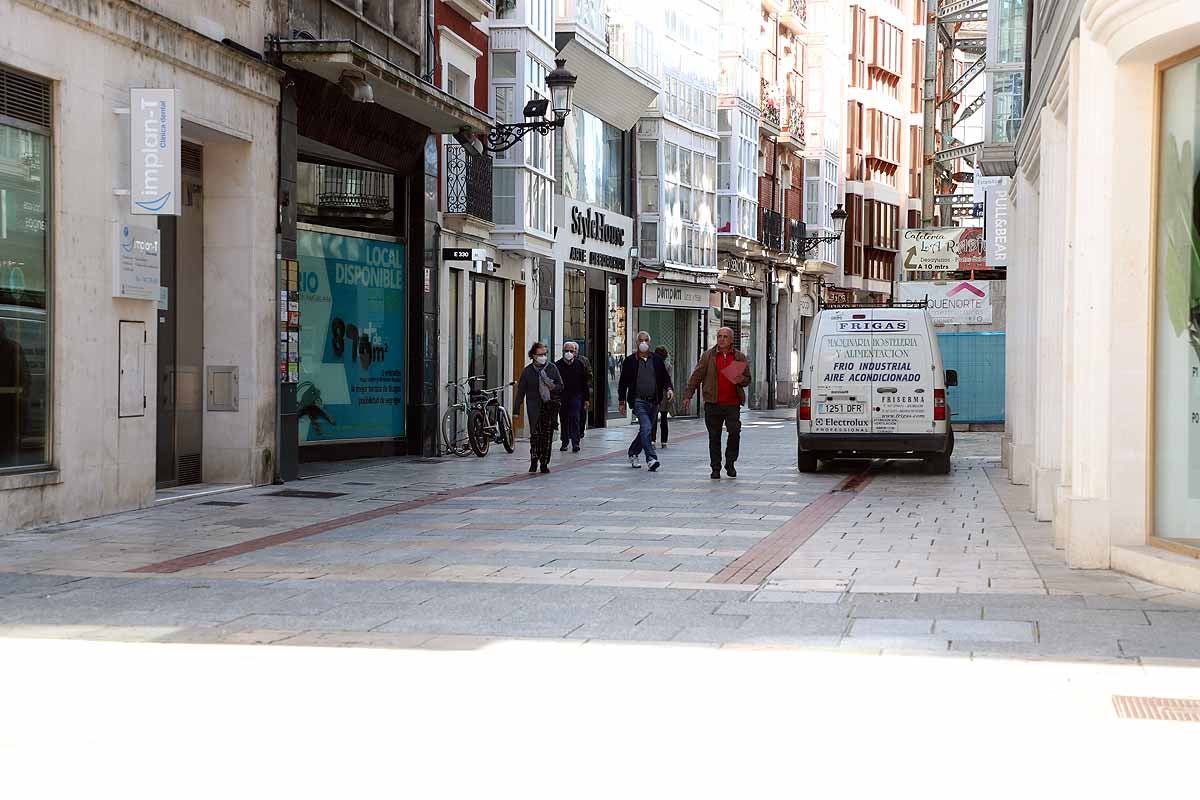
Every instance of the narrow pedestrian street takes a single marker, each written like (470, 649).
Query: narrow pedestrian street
(436, 552)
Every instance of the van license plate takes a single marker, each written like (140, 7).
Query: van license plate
(841, 408)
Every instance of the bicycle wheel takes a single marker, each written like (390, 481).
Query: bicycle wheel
(454, 430)
(504, 422)
(477, 433)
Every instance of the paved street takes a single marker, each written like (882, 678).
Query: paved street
(458, 552)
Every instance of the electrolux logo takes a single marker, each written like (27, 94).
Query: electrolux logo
(154, 151)
(592, 225)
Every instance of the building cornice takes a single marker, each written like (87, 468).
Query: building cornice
(138, 28)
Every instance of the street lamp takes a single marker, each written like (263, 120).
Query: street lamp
(809, 244)
(561, 84)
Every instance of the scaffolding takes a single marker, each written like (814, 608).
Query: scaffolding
(957, 26)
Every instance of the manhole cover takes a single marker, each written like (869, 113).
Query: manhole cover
(309, 495)
(225, 503)
(1165, 708)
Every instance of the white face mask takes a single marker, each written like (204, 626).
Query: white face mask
(569, 355)
(540, 360)
(644, 347)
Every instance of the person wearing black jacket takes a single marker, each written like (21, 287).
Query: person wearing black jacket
(644, 384)
(577, 388)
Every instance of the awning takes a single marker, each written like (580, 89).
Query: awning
(395, 89)
(606, 87)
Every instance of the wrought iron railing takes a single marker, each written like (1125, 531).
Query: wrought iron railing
(799, 8)
(468, 183)
(348, 189)
(769, 103)
(796, 231)
(770, 229)
(795, 121)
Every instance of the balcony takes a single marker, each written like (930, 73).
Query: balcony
(795, 15)
(770, 230)
(796, 231)
(473, 10)
(351, 192)
(468, 190)
(792, 133)
(769, 105)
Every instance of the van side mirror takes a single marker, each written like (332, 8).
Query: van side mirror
(951, 378)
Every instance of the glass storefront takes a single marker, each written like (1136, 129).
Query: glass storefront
(1177, 301)
(676, 331)
(24, 301)
(617, 344)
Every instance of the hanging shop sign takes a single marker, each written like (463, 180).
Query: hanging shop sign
(943, 249)
(154, 151)
(806, 306)
(136, 263)
(951, 302)
(351, 319)
(674, 295)
(592, 237)
(996, 223)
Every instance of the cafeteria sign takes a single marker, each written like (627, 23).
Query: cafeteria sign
(943, 249)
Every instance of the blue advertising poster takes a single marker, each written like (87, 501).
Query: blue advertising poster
(351, 348)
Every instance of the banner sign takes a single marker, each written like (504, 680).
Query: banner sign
(136, 263)
(996, 223)
(352, 337)
(153, 151)
(951, 302)
(591, 236)
(942, 249)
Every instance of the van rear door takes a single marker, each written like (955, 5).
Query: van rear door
(901, 370)
(841, 403)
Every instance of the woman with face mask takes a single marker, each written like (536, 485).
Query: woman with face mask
(541, 387)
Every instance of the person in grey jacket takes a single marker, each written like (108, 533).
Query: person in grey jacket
(541, 387)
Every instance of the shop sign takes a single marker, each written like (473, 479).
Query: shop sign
(464, 254)
(943, 249)
(951, 302)
(352, 319)
(674, 295)
(136, 263)
(592, 237)
(154, 151)
(805, 305)
(996, 224)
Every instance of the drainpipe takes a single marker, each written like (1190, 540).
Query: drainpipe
(771, 306)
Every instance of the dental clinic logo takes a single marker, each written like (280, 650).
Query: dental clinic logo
(154, 151)
(126, 239)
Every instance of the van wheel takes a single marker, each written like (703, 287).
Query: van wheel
(940, 464)
(806, 462)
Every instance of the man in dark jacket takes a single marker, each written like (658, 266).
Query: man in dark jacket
(577, 383)
(644, 384)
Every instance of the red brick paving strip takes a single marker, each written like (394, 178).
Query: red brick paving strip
(763, 558)
(283, 537)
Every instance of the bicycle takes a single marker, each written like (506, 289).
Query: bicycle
(476, 419)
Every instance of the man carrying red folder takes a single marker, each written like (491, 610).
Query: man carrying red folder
(722, 375)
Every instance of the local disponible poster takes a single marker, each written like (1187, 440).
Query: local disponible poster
(352, 343)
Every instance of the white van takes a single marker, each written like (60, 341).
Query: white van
(873, 387)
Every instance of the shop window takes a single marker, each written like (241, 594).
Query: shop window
(24, 273)
(1177, 308)
(574, 305)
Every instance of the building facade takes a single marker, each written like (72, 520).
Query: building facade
(137, 283)
(1104, 423)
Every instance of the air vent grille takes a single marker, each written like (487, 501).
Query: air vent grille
(189, 469)
(191, 158)
(24, 98)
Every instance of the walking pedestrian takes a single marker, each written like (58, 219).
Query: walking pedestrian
(660, 420)
(541, 388)
(576, 378)
(722, 375)
(644, 384)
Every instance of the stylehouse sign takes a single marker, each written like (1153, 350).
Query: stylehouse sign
(593, 237)
(952, 302)
(153, 151)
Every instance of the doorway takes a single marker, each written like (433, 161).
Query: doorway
(180, 389)
(597, 337)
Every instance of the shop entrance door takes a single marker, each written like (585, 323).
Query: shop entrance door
(180, 390)
(597, 321)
